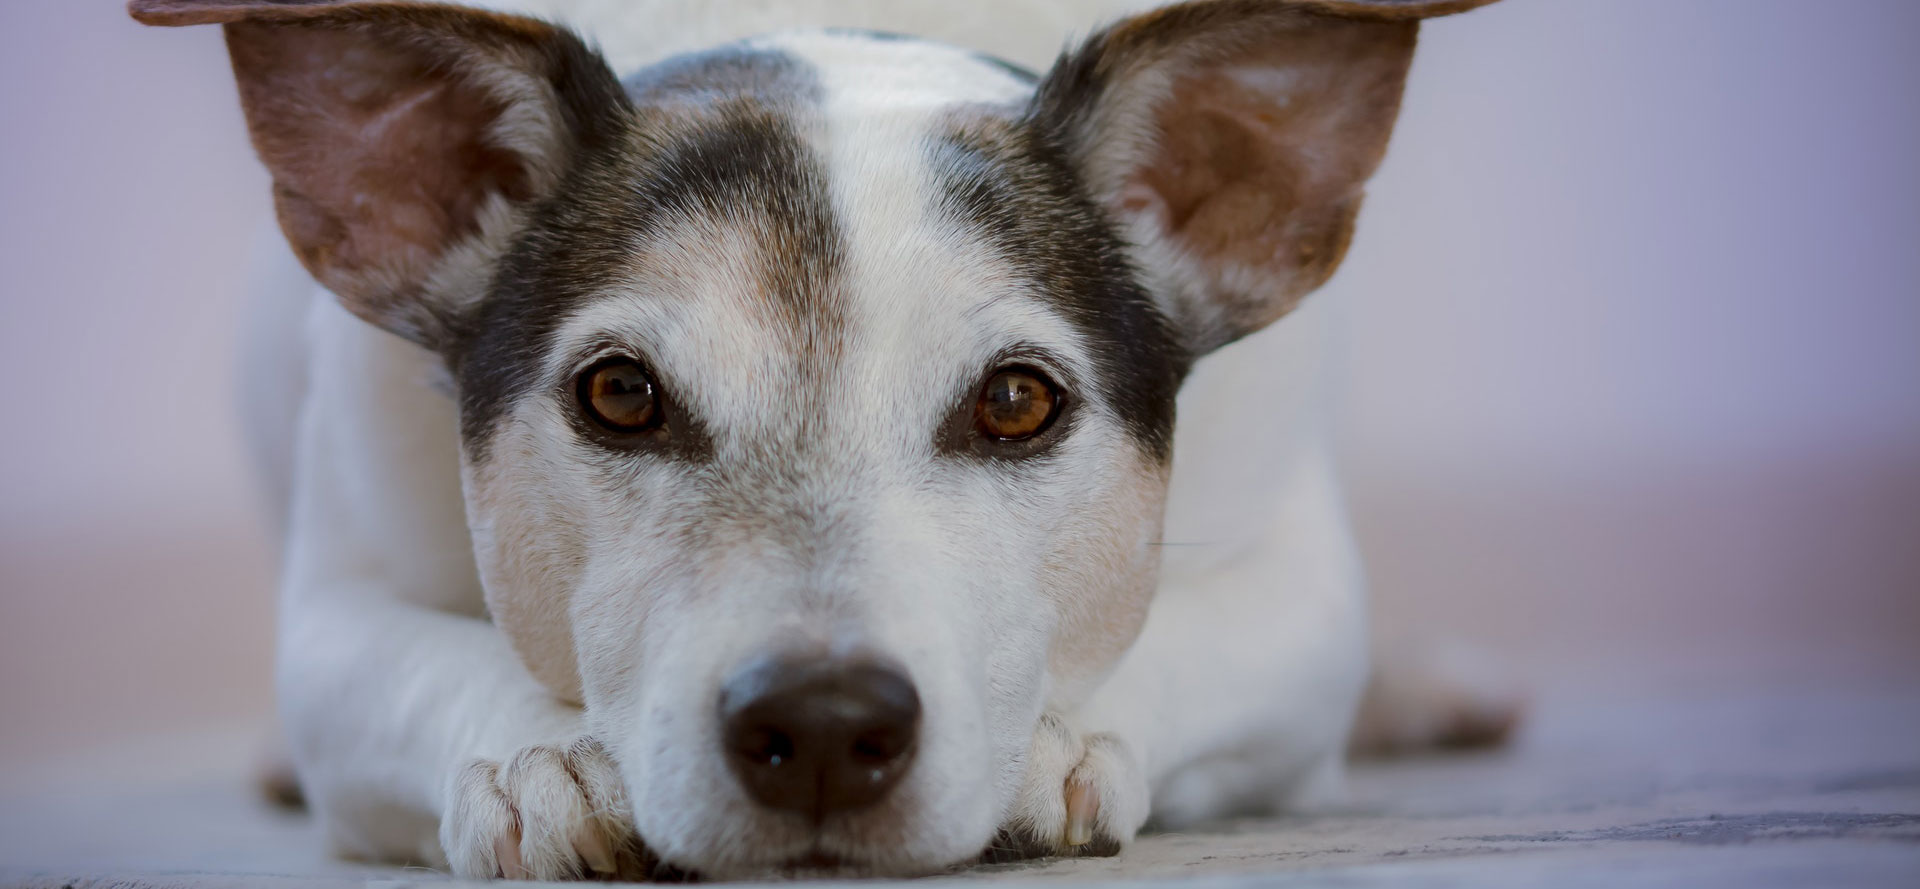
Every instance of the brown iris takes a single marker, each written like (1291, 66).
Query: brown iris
(1016, 403)
(619, 394)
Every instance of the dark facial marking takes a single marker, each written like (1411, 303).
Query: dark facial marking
(1010, 183)
(710, 135)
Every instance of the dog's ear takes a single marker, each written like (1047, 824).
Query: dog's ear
(405, 139)
(1231, 140)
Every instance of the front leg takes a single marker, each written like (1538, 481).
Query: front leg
(416, 730)
(419, 737)
(1238, 696)
(1083, 794)
(388, 706)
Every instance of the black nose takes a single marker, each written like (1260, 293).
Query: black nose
(819, 736)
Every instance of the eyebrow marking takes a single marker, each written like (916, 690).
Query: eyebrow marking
(1002, 180)
(714, 137)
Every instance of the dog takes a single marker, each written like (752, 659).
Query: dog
(762, 462)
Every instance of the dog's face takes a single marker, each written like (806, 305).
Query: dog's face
(785, 382)
(830, 373)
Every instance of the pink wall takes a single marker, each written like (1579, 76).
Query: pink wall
(1634, 373)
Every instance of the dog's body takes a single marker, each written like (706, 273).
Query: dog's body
(1240, 698)
(1209, 665)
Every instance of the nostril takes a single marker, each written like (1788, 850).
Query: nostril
(763, 746)
(880, 746)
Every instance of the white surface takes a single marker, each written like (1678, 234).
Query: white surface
(1762, 788)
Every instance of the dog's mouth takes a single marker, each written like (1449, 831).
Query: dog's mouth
(817, 863)
(814, 864)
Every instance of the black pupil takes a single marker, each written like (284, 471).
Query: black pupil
(622, 395)
(1016, 405)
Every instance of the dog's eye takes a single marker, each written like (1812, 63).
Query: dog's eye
(619, 394)
(1016, 403)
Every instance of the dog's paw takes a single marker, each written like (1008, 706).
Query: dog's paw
(1083, 795)
(550, 812)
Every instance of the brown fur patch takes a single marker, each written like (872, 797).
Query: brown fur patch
(379, 163)
(389, 128)
(1102, 593)
(1272, 181)
(1241, 133)
(713, 139)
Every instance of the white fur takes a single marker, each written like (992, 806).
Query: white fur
(415, 726)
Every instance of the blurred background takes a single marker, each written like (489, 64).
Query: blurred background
(1631, 393)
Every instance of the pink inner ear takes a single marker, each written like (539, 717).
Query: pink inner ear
(380, 157)
(1246, 177)
(1223, 175)
(1261, 159)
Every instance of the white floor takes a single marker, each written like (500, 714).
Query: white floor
(1781, 788)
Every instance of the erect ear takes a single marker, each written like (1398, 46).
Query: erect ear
(1231, 140)
(405, 138)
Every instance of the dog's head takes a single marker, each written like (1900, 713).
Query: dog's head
(817, 392)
